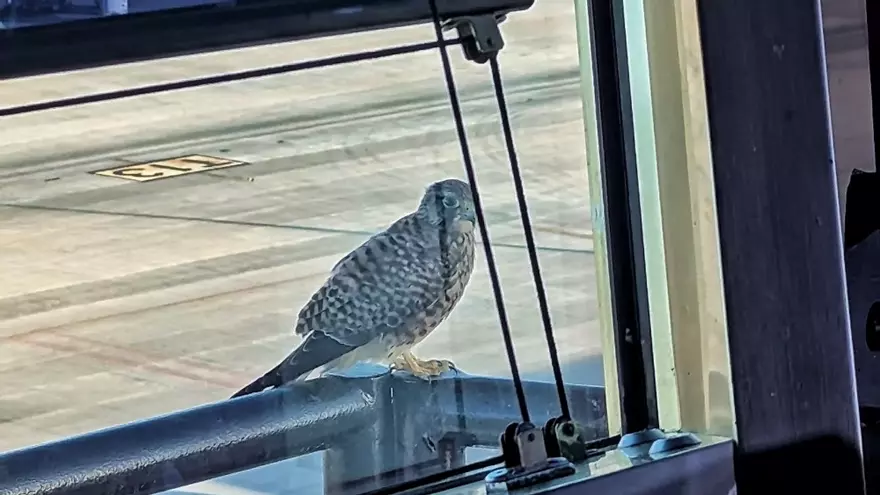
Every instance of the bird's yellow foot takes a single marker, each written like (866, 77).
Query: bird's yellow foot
(423, 368)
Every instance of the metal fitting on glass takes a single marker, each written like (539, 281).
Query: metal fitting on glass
(526, 460)
(480, 36)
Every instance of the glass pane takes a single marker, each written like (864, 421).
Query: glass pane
(160, 250)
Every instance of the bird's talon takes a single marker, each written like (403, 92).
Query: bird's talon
(432, 368)
(441, 365)
(424, 369)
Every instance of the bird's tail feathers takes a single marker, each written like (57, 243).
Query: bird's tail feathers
(266, 381)
(315, 351)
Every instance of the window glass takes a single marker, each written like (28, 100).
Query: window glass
(159, 249)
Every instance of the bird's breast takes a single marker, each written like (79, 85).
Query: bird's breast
(458, 265)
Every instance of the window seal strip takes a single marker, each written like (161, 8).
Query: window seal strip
(626, 251)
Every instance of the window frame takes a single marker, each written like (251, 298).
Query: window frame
(621, 221)
(781, 244)
(116, 39)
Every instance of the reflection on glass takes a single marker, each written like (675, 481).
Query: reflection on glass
(25, 13)
(158, 253)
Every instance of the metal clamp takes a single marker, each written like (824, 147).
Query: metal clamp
(566, 438)
(526, 460)
(480, 35)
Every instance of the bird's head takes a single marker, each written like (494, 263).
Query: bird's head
(450, 203)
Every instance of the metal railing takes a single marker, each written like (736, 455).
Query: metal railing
(376, 429)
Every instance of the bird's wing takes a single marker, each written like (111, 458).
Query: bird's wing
(380, 286)
(316, 350)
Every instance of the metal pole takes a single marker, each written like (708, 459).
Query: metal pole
(399, 446)
(355, 462)
(192, 445)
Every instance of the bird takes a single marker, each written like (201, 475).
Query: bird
(388, 294)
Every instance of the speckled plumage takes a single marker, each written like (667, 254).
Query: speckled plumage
(389, 293)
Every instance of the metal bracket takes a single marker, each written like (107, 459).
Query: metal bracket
(480, 35)
(526, 460)
(566, 438)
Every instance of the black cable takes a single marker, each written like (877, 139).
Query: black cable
(450, 484)
(442, 476)
(530, 240)
(225, 78)
(490, 258)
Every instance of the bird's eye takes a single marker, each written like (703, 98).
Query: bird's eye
(450, 202)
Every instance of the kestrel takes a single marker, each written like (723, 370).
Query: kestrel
(388, 294)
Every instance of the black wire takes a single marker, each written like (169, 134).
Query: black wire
(225, 78)
(440, 477)
(530, 240)
(490, 258)
(450, 484)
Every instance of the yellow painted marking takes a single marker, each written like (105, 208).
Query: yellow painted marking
(169, 167)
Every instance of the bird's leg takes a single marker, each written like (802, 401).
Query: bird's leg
(422, 368)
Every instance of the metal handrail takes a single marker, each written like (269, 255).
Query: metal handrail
(366, 423)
